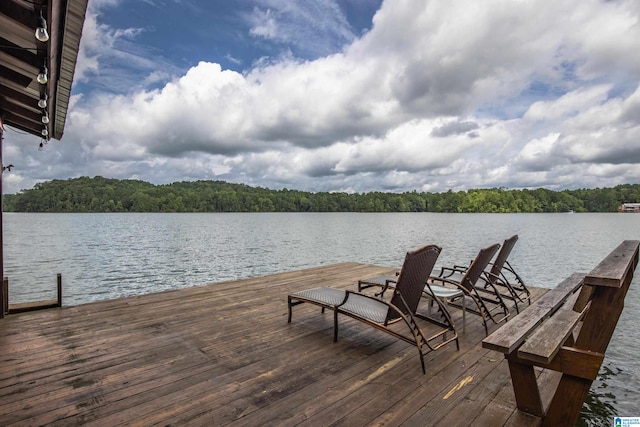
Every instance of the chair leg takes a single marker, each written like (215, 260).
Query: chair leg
(516, 305)
(464, 313)
(447, 304)
(424, 370)
(335, 325)
(481, 311)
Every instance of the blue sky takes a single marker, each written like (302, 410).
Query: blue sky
(177, 35)
(359, 95)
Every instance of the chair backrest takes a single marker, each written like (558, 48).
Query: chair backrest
(501, 258)
(478, 265)
(415, 271)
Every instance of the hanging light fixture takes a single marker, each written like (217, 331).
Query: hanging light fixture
(42, 103)
(45, 117)
(41, 31)
(42, 77)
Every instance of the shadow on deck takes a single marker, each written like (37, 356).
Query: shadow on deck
(224, 354)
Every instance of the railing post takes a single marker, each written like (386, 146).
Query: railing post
(5, 295)
(59, 290)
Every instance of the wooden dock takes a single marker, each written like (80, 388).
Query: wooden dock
(224, 354)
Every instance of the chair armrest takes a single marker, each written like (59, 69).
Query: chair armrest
(446, 280)
(450, 271)
(491, 288)
(510, 269)
(348, 293)
(489, 277)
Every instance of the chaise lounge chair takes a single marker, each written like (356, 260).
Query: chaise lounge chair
(397, 317)
(471, 281)
(453, 284)
(514, 290)
(386, 281)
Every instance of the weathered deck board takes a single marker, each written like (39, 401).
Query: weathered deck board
(224, 354)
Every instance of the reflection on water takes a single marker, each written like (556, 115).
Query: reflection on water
(599, 407)
(104, 256)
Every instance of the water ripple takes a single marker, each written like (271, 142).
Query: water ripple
(104, 256)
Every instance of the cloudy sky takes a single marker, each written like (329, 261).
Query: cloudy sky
(351, 95)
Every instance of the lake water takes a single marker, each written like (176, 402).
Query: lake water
(104, 256)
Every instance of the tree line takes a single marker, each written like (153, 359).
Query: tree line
(100, 194)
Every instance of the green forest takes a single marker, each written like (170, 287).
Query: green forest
(100, 194)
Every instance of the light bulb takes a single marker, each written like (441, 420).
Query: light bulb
(42, 34)
(45, 118)
(41, 31)
(42, 77)
(45, 131)
(42, 103)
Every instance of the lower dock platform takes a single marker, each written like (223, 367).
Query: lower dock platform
(224, 354)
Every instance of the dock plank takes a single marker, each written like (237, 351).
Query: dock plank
(224, 354)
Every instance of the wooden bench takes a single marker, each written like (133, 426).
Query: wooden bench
(567, 330)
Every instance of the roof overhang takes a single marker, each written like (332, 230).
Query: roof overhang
(22, 57)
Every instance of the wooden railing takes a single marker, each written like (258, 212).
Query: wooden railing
(30, 306)
(568, 332)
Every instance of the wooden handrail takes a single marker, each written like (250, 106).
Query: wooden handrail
(543, 335)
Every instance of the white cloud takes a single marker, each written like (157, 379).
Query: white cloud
(308, 26)
(265, 25)
(539, 154)
(567, 105)
(604, 42)
(436, 95)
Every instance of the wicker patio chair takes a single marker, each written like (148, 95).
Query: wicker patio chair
(386, 281)
(455, 283)
(398, 316)
(505, 279)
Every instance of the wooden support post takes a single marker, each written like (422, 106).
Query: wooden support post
(5, 293)
(566, 403)
(601, 320)
(59, 290)
(525, 388)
